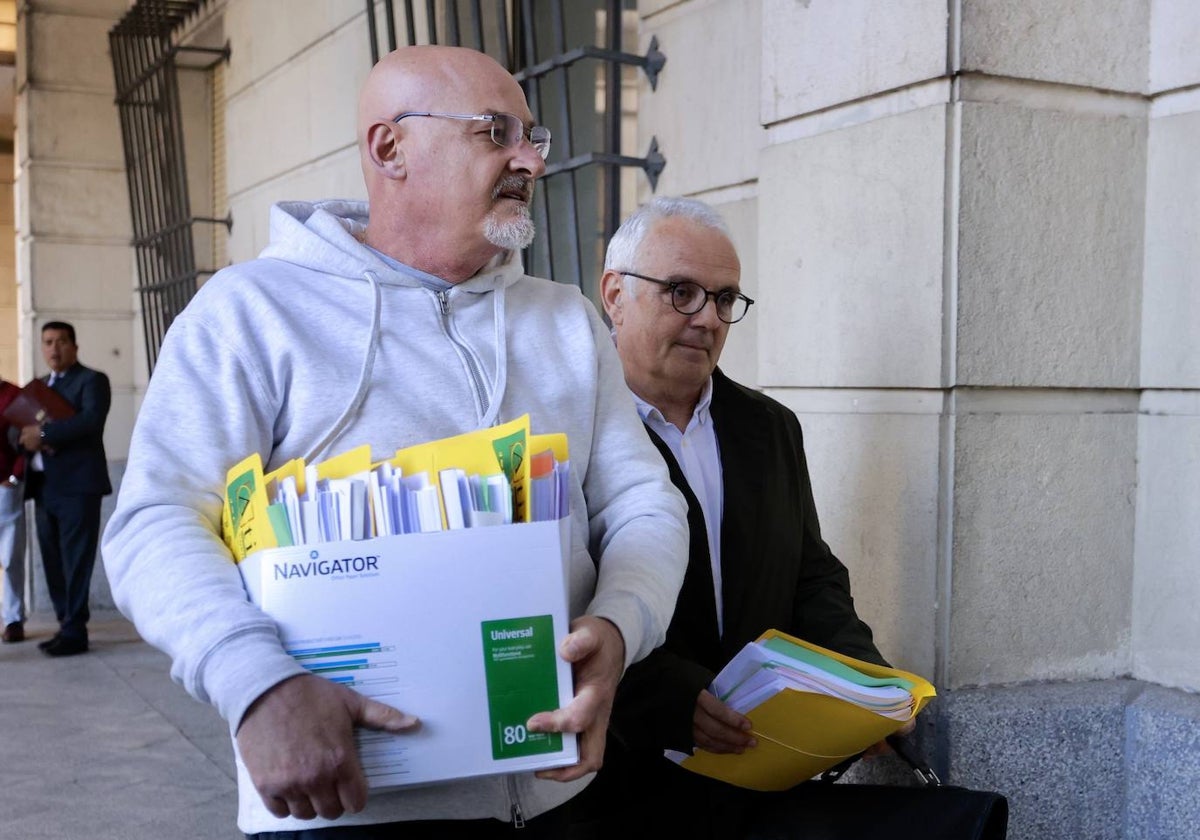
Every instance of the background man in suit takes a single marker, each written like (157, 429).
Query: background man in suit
(757, 560)
(67, 477)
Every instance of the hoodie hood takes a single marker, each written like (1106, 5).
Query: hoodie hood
(324, 236)
(328, 236)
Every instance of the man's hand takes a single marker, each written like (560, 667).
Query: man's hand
(596, 651)
(717, 728)
(297, 742)
(31, 438)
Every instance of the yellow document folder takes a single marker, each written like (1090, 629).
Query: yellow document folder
(801, 734)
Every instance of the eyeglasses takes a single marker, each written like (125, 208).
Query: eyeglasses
(507, 129)
(688, 298)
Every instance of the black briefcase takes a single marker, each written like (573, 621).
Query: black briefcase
(821, 810)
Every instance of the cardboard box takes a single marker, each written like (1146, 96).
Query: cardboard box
(460, 628)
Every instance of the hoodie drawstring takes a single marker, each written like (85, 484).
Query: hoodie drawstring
(501, 380)
(364, 375)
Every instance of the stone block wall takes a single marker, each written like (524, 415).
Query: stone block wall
(973, 226)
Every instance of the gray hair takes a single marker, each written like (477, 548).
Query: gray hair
(625, 243)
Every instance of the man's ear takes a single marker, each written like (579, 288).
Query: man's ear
(612, 295)
(384, 148)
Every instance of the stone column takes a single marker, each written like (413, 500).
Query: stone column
(74, 261)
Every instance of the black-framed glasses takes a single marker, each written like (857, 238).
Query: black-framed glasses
(507, 129)
(688, 298)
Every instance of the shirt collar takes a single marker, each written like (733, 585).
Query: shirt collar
(430, 281)
(700, 414)
(60, 375)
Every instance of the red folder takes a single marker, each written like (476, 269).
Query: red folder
(8, 393)
(37, 403)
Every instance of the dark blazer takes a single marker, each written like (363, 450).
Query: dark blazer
(776, 572)
(75, 464)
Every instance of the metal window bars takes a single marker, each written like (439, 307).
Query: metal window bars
(147, 99)
(580, 199)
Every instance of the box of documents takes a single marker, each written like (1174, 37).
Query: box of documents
(810, 708)
(460, 628)
(446, 599)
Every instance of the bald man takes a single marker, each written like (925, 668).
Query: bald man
(405, 319)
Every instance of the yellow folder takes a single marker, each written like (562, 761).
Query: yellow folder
(483, 452)
(802, 734)
(245, 522)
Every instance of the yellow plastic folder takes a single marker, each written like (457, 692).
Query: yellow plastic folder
(484, 451)
(801, 734)
(245, 521)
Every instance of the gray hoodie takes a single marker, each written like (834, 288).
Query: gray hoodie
(319, 346)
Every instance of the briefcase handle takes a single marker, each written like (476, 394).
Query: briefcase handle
(919, 766)
(905, 750)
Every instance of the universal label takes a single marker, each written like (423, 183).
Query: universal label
(522, 679)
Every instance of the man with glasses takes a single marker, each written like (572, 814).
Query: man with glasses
(408, 323)
(757, 561)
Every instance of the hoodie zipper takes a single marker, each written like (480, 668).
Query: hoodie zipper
(518, 817)
(485, 403)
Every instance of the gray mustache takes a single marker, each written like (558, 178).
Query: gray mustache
(514, 184)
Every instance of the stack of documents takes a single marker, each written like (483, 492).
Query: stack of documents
(379, 579)
(467, 481)
(810, 708)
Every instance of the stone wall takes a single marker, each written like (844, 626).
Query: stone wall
(971, 230)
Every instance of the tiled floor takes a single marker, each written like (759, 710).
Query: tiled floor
(104, 745)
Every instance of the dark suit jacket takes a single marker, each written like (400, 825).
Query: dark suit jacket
(76, 464)
(776, 572)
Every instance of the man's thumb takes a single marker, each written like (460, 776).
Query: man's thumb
(375, 715)
(578, 644)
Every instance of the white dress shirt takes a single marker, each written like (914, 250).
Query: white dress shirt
(35, 463)
(696, 451)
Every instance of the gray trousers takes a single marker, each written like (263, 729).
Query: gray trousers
(12, 552)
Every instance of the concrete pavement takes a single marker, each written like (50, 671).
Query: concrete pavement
(103, 746)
